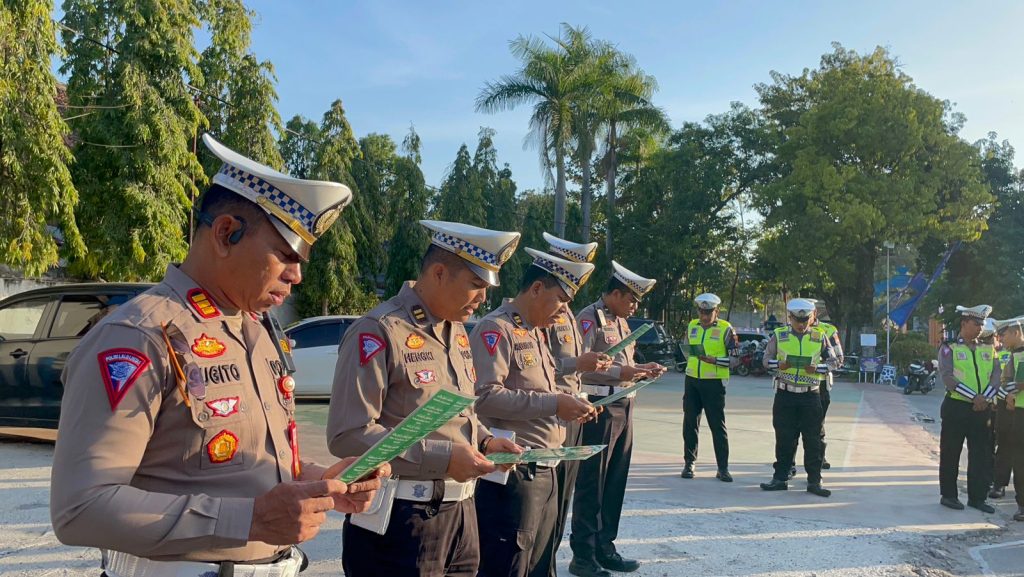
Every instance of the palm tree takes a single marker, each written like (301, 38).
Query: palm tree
(626, 106)
(554, 83)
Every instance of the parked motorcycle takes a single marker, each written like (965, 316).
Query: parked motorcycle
(921, 376)
(751, 359)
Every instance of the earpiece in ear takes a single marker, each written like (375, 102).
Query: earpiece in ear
(236, 236)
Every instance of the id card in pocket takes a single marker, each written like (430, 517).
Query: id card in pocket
(377, 517)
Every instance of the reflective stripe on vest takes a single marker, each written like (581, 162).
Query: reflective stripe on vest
(972, 368)
(714, 343)
(806, 345)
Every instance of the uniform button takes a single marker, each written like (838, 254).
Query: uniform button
(282, 453)
(203, 417)
(266, 405)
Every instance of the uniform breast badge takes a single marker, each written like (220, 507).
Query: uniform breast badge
(414, 341)
(222, 447)
(208, 347)
(224, 407)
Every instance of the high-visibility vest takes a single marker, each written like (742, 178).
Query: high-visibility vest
(713, 339)
(973, 368)
(805, 345)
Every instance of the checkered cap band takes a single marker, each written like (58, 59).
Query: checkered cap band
(271, 193)
(446, 240)
(570, 254)
(558, 270)
(633, 285)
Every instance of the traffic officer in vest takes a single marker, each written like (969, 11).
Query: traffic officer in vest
(1011, 333)
(970, 373)
(178, 450)
(1002, 418)
(517, 393)
(707, 374)
(801, 356)
(393, 360)
(601, 484)
(832, 334)
(570, 361)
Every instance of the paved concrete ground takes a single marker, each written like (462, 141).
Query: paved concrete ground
(883, 518)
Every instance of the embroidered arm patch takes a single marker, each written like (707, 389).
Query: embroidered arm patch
(120, 368)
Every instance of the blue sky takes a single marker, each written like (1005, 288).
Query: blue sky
(423, 63)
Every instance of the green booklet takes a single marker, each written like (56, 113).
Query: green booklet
(616, 396)
(424, 420)
(559, 453)
(629, 340)
(798, 362)
(697, 349)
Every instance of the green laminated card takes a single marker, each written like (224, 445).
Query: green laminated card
(616, 396)
(424, 420)
(799, 362)
(559, 454)
(629, 340)
(697, 349)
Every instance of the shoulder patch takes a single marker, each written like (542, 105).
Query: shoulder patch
(201, 302)
(491, 339)
(585, 326)
(120, 368)
(369, 346)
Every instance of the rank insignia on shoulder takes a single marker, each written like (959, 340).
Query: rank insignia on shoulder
(202, 303)
(463, 341)
(518, 319)
(414, 341)
(426, 377)
(208, 347)
(601, 319)
(224, 407)
(418, 313)
(491, 339)
(222, 447)
(120, 368)
(585, 326)
(369, 346)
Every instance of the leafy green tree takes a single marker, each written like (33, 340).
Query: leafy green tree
(134, 170)
(35, 185)
(411, 196)
(299, 143)
(460, 197)
(375, 206)
(862, 156)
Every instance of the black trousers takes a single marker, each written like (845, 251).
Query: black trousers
(516, 521)
(1018, 455)
(826, 400)
(566, 474)
(796, 415)
(601, 484)
(1005, 443)
(961, 422)
(707, 396)
(422, 539)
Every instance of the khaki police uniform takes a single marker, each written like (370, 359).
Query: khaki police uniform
(517, 392)
(601, 484)
(136, 470)
(390, 362)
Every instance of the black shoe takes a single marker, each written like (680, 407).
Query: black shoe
(687, 471)
(775, 485)
(952, 503)
(997, 493)
(583, 567)
(981, 506)
(1019, 516)
(825, 464)
(723, 476)
(615, 562)
(817, 489)
(792, 473)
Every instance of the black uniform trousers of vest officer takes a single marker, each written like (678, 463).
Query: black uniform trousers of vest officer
(707, 396)
(601, 484)
(795, 416)
(961, 422)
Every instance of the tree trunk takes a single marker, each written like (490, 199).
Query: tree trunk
(586, 198)
(324, 308)
(609, 183)
(559, 192)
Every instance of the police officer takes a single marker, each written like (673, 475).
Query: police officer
(832, 334)
(707, 375)
(801, 356)
(178, 450)
(1002, 416)
(517, 392)
(570, 360)
(1011, 333)
(970, 373)
(392, 361)
(601, 484)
